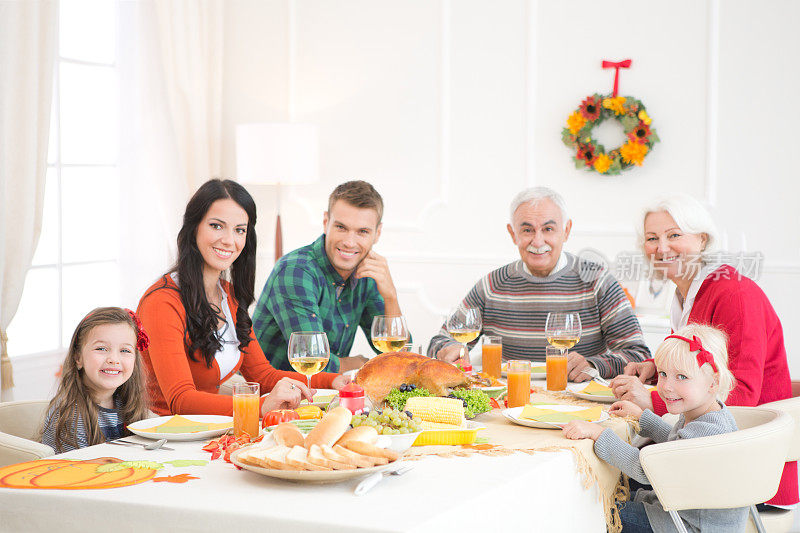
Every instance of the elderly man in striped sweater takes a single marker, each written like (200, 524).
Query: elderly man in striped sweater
(516, 298)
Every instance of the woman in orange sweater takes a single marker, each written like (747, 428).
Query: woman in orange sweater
(199, 328)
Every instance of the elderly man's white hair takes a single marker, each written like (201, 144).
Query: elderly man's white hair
(688, 213)
(534, 195)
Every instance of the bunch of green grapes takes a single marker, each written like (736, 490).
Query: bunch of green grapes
(388, 422)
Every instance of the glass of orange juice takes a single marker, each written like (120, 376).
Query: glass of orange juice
(492, 355)
(245, 408)
(556, 363)
(519, 383)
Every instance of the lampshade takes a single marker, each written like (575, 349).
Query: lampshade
(277, 153)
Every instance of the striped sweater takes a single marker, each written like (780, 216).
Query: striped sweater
(514, 304)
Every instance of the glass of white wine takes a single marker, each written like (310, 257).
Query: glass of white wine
(563, 330)
(464, 325)
(308, 352)
(389, 333)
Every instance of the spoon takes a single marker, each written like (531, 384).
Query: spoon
(150, 446)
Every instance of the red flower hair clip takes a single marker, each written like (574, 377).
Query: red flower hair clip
(696, 345)
(142, 340)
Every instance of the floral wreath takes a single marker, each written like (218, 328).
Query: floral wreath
(594, 109)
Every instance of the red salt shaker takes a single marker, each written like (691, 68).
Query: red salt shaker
(351, 396)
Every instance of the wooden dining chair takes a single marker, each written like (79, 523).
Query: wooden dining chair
(19, 430)
(739, 469)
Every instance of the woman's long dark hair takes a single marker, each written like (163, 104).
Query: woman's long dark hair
(201, 317)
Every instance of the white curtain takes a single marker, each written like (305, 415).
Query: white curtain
(171, 78)
(28, 40)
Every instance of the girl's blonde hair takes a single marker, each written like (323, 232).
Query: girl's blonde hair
(72, 399)
(676, 353)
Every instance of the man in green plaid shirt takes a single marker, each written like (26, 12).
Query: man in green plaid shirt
(334, 284)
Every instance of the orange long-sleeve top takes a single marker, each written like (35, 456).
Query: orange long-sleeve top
(176, 384)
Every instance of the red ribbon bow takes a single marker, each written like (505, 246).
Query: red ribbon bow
(616, 66)
(696, 345)
(142, 340)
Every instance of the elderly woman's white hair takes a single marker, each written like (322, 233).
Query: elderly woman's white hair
(688, 214)
(534, 195)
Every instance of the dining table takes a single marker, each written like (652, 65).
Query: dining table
(523, 478)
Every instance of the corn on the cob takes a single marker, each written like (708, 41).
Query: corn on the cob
(436, 409)
(433, 426)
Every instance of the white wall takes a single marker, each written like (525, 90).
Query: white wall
(450, 108)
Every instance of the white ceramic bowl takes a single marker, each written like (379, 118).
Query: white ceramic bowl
(398, 443)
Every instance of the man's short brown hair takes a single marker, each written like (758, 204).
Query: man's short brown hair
(358, 194)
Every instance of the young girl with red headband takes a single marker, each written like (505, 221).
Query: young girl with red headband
(102, 388)
(694, 381)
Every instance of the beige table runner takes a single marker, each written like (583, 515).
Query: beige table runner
(505, 437)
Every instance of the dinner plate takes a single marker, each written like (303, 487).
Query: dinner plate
(140, 427)
(307, 476)
(514, 412)
(576, 388)
(322, 397)
(537, 370)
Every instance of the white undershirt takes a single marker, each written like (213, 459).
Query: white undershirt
(679, 314)
(227, 357)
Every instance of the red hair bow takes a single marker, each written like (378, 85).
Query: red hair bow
(142, 340)
(696, 345)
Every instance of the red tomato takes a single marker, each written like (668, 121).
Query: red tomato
(281, 415)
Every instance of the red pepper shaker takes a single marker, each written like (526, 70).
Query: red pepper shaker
(351, 396)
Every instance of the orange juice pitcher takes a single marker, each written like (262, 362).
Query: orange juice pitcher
(519, 383)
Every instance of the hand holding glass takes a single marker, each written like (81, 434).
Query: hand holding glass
(389, 333)
(464, 325)
(308, 352)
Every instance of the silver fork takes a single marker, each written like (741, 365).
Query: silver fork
(375, 478)
(595, 375)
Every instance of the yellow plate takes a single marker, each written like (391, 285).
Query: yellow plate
(450, 437)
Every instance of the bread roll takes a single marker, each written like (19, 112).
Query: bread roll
(287, 434)
(361, 433)
(365, 448)
(330, 428)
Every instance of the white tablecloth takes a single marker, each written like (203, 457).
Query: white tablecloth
(541, 492)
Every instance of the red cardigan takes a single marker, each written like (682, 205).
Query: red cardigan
(756, 354)
(178, 385)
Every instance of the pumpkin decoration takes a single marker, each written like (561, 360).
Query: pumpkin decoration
(68, 474)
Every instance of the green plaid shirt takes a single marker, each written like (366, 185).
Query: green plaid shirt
(305, 293)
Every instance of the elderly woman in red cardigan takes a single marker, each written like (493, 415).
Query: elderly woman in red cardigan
(679, 236)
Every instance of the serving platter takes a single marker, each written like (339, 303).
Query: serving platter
(306, 476)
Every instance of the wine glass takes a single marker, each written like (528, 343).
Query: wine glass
(308, 352)
(464, 325)
(389, 333)
(563, 330)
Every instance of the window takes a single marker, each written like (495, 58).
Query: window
(75, 267)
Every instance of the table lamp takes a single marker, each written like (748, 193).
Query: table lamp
(277, 154)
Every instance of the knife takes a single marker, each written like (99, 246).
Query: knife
(373, 479)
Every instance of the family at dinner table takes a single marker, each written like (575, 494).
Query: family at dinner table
(192, 331)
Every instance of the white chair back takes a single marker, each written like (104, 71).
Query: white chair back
(723, 471)
(20, 423)
(790, 406)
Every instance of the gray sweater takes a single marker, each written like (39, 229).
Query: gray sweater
(613, 450)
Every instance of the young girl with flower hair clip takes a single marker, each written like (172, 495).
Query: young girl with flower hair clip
(694, 381)
(102, 387)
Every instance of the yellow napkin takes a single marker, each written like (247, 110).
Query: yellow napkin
(179, 424)
(538, 369)
(560, 417)
(596, 389)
